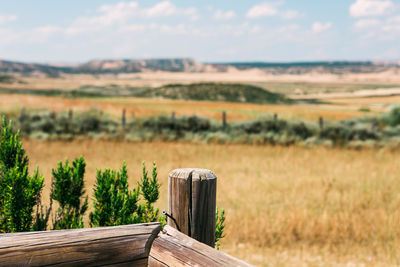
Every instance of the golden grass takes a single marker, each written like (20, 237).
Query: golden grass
(151, 107)
(285, 205)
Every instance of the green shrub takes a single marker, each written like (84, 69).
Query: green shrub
(68, 191)
(114, 203)
(19, 192)
(149, 188)
(219, 227)
(392, 117)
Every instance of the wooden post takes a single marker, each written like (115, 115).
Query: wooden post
(22, 115)
(173, 116)
(123, 119)
(275, 117)
(224, 119)
(321, 123)
(373, 125)
(70, 114)
(192, 203)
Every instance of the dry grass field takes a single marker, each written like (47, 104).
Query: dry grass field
(143, 107)
(285, 206)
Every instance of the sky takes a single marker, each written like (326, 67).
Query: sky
(208, 31)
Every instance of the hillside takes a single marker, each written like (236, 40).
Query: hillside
(221, 92)
(141, 65)
(216, 92)
(188, 65)
(29, 68)
(333, 67)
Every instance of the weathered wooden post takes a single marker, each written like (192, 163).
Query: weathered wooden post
(321, 123)
(22, 115)
(173, 116)
(70, 114)
(373, 125)
(275, 117)
(192, 203)
(123, 119)
(224, 119)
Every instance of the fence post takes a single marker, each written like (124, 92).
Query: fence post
(123, 119)
(373, 125)
(224, 119)
(22, 115)
(173, 116)
(321, 123)
(275, 117)
(192, 203)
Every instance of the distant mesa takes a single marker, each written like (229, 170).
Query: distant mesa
(141, 65)
(117, 66)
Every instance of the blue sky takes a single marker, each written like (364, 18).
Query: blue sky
(209, 31)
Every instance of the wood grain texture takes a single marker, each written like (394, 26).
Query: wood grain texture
(192, 202)
(172, 248)
(119, 245)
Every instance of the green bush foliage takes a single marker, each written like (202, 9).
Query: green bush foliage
(115, 204)
(219, 227)
(68, 191)
(19, 191)
(264, 130)
(392, 117)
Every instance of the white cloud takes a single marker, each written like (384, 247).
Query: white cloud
(107, 15)
(165, 8)
(388, 29)
(318, 27)
(135, 28)
(221, 15)
(367, 23)
(266, 9)
(191, 12)
(7, 18)
(392, 25)
(291, 14)
(179, 29)
(123, 13)
(363, 8)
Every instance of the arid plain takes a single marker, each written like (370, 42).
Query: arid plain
(285, 206)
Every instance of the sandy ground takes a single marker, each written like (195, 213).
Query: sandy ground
(68, 81)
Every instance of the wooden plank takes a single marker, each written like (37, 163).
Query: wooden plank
(123, 245)
(192, 203)
(172, 248)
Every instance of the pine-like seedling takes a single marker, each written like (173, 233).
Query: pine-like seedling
(149, 188)
(68, 191)
(19, 192)
(114, 203)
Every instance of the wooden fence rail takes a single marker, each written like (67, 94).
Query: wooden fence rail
(173, 248)
(118, 246)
